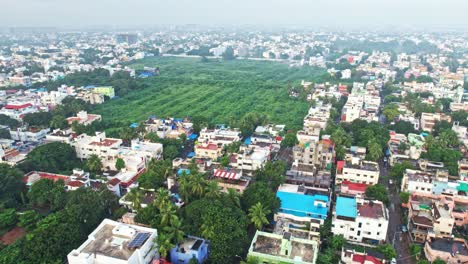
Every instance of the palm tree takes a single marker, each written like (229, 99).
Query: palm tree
(167, 213)
(212, 190)
(197, 183)
(234, 197)
(127, 134)
(374, 150)
(94, 163)
(207, 231)
(257, 215)
(58, 121)
(164, 243)
(162, 198)
(174, 230)
(135, 196)
(184, 186)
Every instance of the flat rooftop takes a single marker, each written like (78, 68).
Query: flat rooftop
(303, 205)
(346, 206)
(271, 244)
(108, 244)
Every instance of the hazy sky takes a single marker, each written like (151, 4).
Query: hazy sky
(261, 12)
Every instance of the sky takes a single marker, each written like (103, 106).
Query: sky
(334, 13)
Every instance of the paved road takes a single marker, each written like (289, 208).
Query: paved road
(394, 234)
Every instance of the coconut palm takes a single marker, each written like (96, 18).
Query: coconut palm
(164, 244)
(257, 215)
(162, 198)
(234, 197)
(197, 183)
(167, 213)
(212, 190)
(94, 163)
(184, 186)
(207, 231)
(174, 230)
(58, 121)
(127, 134)
(374, 150)
(135, 196)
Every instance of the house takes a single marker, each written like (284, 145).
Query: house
(190, 248)
(114, 242)
(450, 250)
(105, 90)
(428, 120)
(78, 179)
(208, 150)
(369, 256)
(275, 248)
(169, 127)
(352, 188)
(360, 220)
(29, 134)
(302, 204)
(220, 135)
(17, 110)
(252, 157)
(319, 153)
(83, 118)
(309, 176)
(358, 171)
(231, 179)
(58, 135)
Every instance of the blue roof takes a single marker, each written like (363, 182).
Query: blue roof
(191, 155)
(346, 207)
(134, 125)
(247, 141)
(303, 205)
(193, 136)
(181, 171)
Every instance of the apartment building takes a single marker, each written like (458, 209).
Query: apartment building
(358, 171)
(208, 150)
(231, 179)
(360, 220)
(428, 120)
(17, 110)
(319, 153)
(83, 118)
(223, 136)
(450, 250)
(114, 242)
(29, 134)
(252, 157)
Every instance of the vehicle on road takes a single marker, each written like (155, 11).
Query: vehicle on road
(404, 228)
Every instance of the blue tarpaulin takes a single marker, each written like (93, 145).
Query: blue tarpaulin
(193, 136)
(191, 155)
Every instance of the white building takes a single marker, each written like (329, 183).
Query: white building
(358, 171)
(83, 118)
(18, 110)
(29, 134)
(251, 158)
(223, 136)
(116, 243)
(360, 220)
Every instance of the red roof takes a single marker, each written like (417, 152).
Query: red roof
(106, 142)
(75, 184)
(359, 187)
(227, 174)
(16, 107)
(113, 182)
(340, 165)
(209, 146)
(363, 258)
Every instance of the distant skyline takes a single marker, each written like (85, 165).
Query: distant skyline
(320, 13)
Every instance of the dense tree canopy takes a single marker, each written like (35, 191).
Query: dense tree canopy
(11, 185)
(53, 157)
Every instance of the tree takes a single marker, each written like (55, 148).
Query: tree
(39, 119)
(228, 54)
(439, 126)
(170, 152)
(127, 134)
(48, 193)
(403, 127)
(377, 192)
(390, 111)
(212, 190)
(260, 192)
(397, 171)
(251, 260)
(56, 157)
(58, 121)
(11, 185)
(164, 243)
(8, 121)
(225, 224)
(404, 197)
(119, 164)
(135, 196)
(225, 161)
(233, 197)
(8, 218)
(290, 140)
(272, 174)
(448, 139)
(167, 213)
(29, 219)
(257, 215)
(438, 261)
(415, 250)
(174, 230)
(94, 163)
(374, 150)
(387, 250)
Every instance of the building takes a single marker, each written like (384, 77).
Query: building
(231, 179)
(208, 150)
(78, 179)
(190, 248)
(360, 220)
(29, 134)
(319, 153)
(358, 171)
(252, 157)
(450, 250)
(116, 243)
(18, 110)
(302, 204)
(83, 118)
(274, 248)
(369, 256)
(105, 90)
(223, 136)
(428, 120)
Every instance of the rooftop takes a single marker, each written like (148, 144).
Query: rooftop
(451, 246)
(346, 206)
(303, 205)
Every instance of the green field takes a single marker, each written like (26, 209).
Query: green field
(218, 90)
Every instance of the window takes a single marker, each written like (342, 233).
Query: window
(360, 225)
(378, 233)
(359, 233)
(380, 225)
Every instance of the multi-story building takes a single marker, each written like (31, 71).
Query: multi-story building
(428, 120)
(83, 118)
(275, 248)
(208, 150)
(358, 171)
(251, 158)
(29, 134)
(223, 136)
(18, 110)
(318, 153)
(450, 250)
(360, 220)
(114, 242)
(231, 179)
(169, 127)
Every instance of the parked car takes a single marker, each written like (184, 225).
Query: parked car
(404, 228)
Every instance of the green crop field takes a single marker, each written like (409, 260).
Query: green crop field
(218, 90)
